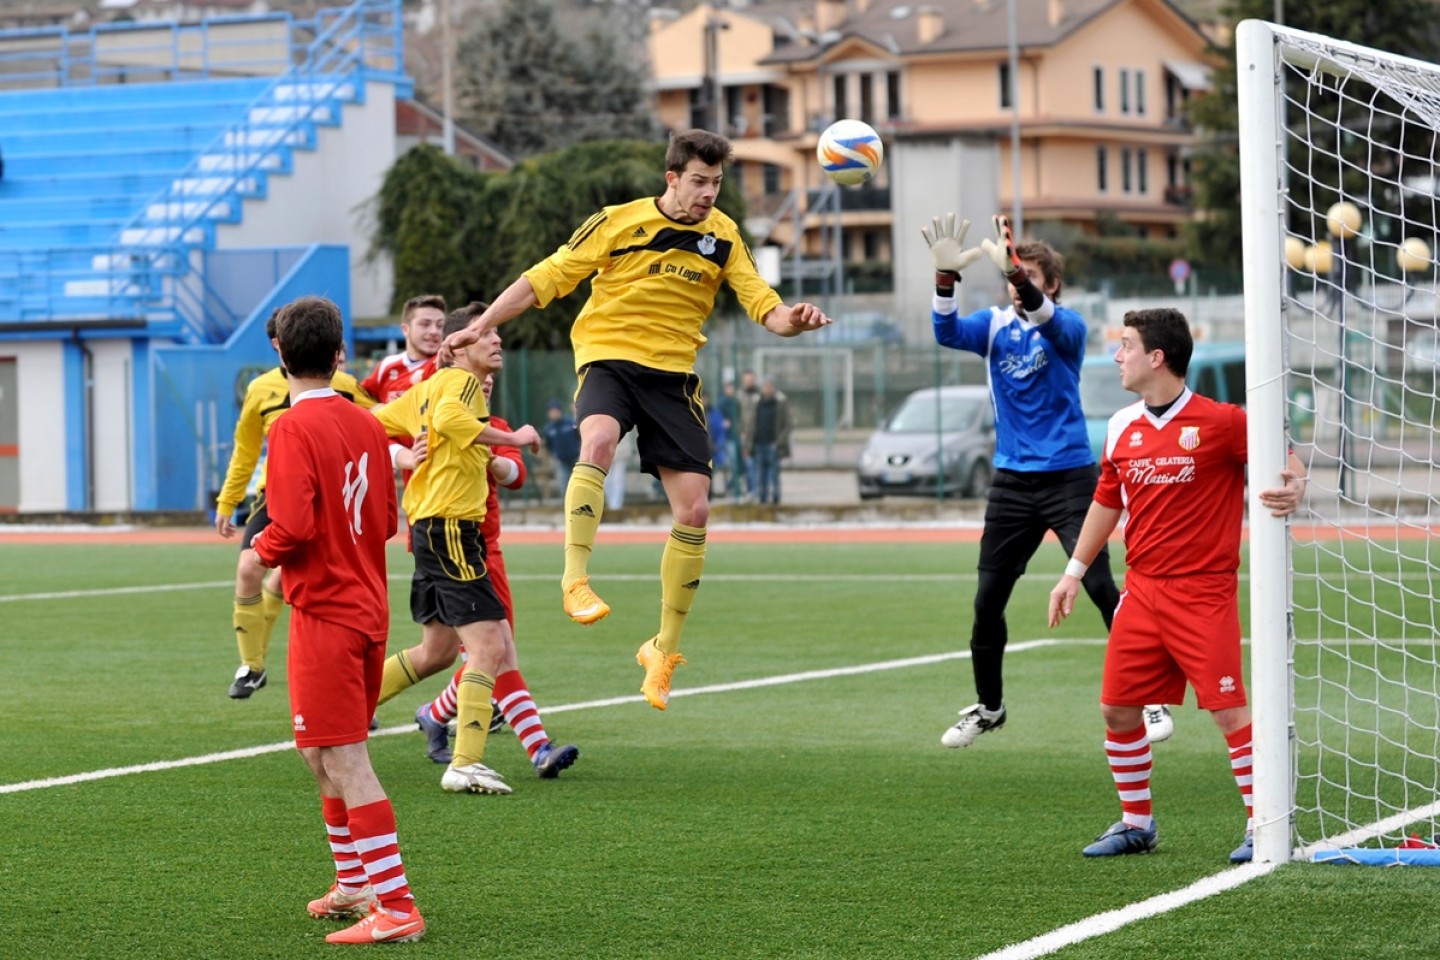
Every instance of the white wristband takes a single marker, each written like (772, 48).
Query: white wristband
(1076, 569)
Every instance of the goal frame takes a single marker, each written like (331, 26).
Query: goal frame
(1260, 68)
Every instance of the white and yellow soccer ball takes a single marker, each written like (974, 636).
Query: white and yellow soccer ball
(850, 152)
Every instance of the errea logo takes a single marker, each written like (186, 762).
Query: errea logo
(1227, 684)
(299, 722)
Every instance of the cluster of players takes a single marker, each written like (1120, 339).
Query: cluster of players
(1174, 462)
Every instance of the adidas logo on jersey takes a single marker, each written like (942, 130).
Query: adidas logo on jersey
(639, 232)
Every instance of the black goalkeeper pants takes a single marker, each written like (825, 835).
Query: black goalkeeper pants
(1021, 509)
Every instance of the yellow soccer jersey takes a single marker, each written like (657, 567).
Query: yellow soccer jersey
(655, 283)
(450, 410)
(268, 396)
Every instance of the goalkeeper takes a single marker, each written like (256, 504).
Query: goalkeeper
(1045, 473)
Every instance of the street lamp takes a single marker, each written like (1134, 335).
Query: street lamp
(711, 81)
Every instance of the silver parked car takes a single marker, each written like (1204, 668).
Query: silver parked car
(941, 438)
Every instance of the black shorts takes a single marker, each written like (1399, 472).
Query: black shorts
(1021, 508)
(259, 520)
(452, 581)
(666, 409)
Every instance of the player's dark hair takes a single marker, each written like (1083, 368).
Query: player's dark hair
(311, 336)
(1048, 259)
(1164, 329)
(460, 317)
(709, 148)
(272, 324)
(424, 300)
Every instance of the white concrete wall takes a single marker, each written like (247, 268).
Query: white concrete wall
(326, 198)
(938, 176)
(40, 376)
(112, 438)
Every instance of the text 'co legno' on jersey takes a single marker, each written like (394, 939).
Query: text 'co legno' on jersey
(655, 281)
(450, 410)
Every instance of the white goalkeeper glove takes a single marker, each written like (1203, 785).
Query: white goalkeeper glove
(1002, 251)
(947, 250)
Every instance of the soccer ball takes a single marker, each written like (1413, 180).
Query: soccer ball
(850, 152)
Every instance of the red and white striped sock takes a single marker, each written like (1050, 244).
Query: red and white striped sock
(372, 827)
(349, 871)
(1130, 763)
(520, 711)
(1243, 766)
(444, 707)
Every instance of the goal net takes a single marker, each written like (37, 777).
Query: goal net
(1339, 184)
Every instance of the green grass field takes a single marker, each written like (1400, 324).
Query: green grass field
(814, 818)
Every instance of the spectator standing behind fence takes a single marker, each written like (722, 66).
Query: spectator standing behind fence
(719, 426)
(769, 439)
(748, 396)
(562, 439)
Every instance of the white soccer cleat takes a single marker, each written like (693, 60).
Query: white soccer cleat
(974, 720)
(474, 778)
(1159, 725)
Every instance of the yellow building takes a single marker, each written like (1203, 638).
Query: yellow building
(1098, 115)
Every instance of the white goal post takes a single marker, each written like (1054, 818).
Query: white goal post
(1340, 174)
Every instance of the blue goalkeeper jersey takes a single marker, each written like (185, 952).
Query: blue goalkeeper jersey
(1034, 374)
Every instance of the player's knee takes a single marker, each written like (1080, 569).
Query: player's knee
(1121, 719)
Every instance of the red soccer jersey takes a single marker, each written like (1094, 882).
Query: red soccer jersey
(490, 526)
(331, 499)
(1180, 478)
(396, 374)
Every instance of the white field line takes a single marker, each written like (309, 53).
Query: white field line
(621, 577)
(625, 577)
(1112, 920)
(781, 679)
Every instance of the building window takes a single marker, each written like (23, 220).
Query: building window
(892, 95)
(1140, 93)
(1125, 170)
(698, 119)
(1099, 89)
(872, 244)
(1142, 171)
(841, 102)
(867, 98)
(1101, 174)
(1005, 103)
(1124, 90)
(770, 174)
(775, 101)
(735, 112)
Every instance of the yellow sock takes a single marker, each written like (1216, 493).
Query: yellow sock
(680, 567)
(399, 675)
(584, 503)
(249, 620)
(272, 603)
(472, 716)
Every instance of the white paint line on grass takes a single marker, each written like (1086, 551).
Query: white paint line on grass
(621, 577)
(1112, 920)
(781, 679)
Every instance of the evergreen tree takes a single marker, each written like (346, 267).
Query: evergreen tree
(532, 79)
(468, 235)
(1407, 27)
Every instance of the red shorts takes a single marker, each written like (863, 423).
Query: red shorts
(334, 675)
(495, 563)
(1169, 630)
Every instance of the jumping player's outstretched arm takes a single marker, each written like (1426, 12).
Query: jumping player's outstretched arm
(791, 321)
(515, 300)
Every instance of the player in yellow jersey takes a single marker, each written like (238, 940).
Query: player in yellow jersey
(258, 600)
(657, 264)
(445, 506)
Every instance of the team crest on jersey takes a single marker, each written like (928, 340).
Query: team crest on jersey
(1189, 438)
(707, 244)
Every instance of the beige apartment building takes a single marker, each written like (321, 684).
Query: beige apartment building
(1098, 116)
